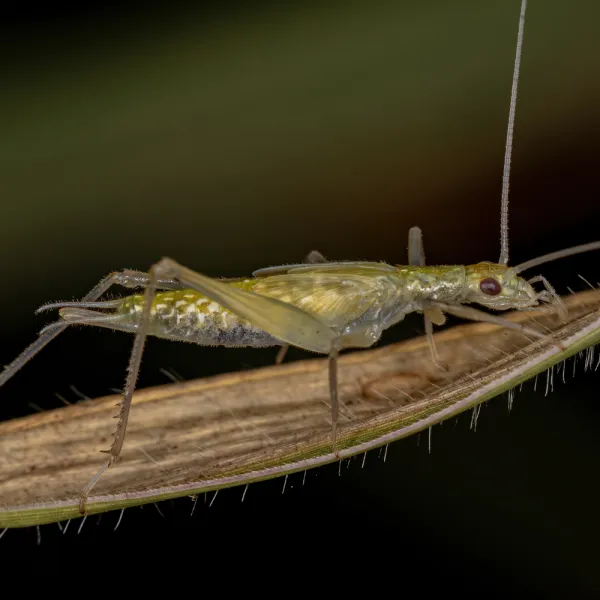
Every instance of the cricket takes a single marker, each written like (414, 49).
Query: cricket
(319, 306)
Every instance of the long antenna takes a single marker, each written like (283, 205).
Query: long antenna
(540, 260)
(503, 260)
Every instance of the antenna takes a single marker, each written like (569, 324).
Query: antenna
(503, 260)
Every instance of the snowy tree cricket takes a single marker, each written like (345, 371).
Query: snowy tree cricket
(324, 307)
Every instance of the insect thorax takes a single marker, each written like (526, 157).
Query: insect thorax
(419, 285)
(409, 289)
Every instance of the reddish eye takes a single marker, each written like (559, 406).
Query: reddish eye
(490, 286)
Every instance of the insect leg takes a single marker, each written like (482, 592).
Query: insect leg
(559, 305)
(135, 359)
(333, 392)
(313, 257)
(467, 312)
(130, 279)
(416, 252)
(416, 258)
(430, 341)
(281, 353)
(138, 279)
(127, 279)
(283, 321)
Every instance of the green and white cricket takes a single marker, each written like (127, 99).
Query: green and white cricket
(317, 305)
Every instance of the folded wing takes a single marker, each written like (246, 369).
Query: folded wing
(336, 296)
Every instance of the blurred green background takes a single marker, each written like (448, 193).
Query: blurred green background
(232, 136)
(236, 139)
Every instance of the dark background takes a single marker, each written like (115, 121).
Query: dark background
(237, 135)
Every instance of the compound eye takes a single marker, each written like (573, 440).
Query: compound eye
(490, 286)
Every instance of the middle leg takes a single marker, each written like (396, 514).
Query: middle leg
(416, 258)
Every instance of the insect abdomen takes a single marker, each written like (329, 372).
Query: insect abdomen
(188, 316)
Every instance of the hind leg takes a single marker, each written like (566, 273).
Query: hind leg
(152, 282)
(281, 320)
(129, 279)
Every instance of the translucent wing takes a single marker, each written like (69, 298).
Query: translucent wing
(330, 266)
(336, 299)
(283, 321)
